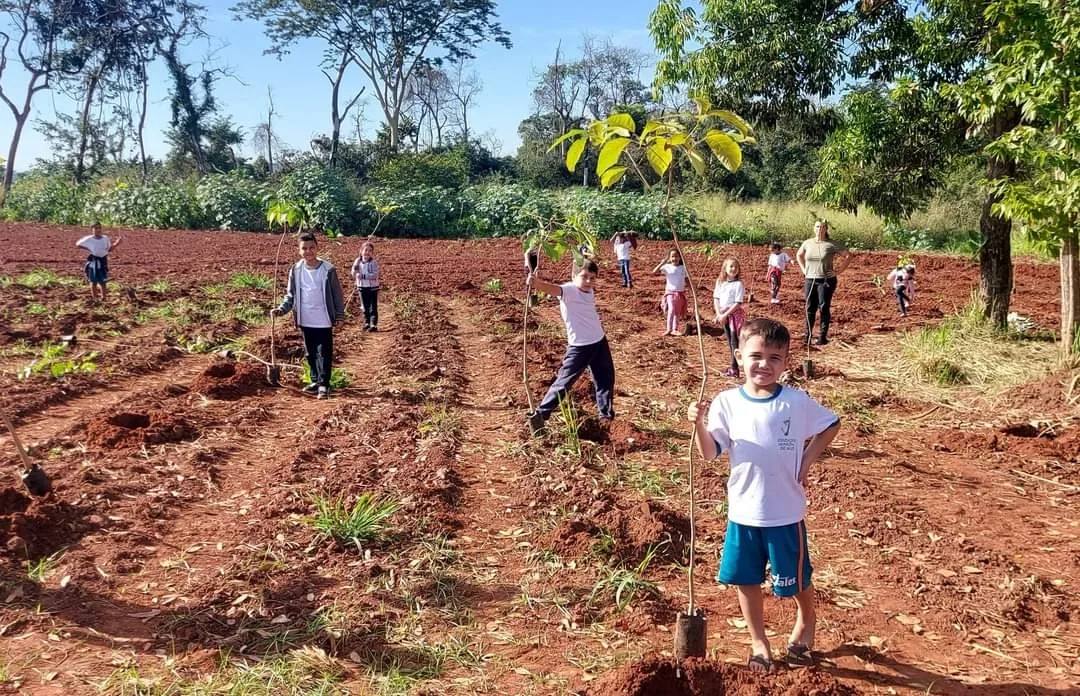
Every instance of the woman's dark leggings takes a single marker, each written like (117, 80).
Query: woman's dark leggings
(819, 294)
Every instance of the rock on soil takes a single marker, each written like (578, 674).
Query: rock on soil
(655, 676)
(125, 430)
(228, 381)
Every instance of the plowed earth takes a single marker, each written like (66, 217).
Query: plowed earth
(178, 541)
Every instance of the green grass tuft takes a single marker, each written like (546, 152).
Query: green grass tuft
(365, 520)
(250, 281)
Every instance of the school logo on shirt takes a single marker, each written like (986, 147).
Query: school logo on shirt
(786, 443)
(787, 427)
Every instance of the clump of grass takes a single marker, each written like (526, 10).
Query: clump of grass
(159, 286)
(855, 411)
(51, 361)
(44, 278)
(40, 568)
(571, 427)
(493, 286)
(622, 584)
(440, 424)
(250, 281)
(364, 520)
(339, 378)
(36, 308)
(405, 306)
(966, 349)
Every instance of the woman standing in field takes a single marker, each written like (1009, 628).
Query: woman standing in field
(98, 246)
(817, 261)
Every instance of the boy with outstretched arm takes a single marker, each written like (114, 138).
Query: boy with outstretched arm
(772, 435)
(587, 346)
(314, 292)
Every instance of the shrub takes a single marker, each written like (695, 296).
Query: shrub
(507, 209)
(421, 211)
(323, 194)
(407, 169)
(607, 213)
(162, 205)
(233, 201)
(43, 197)
(364, 520)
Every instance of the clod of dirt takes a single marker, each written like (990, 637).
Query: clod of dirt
(655, 676)
(621, 435)
(41, 527)
(12, 501)
(229, 381)
(128, 430)
(633, 532)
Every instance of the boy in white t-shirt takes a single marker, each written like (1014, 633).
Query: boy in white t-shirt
(314, 291)
(772, 434)
(587, 346)
(778, 261)
(98, 246)
(624, 246)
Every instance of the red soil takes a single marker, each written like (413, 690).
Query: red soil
(128, 430)
(228, 381)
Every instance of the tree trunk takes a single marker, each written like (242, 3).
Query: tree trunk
(142, 124)
(13, 149)
(84, 127)
(1070, 292)
(335, 112)
(995, 254)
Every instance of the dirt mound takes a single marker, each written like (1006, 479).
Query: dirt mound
(630, 532)
(228, 381)
(33, 528)
(655, 676)
(620, 435)
(130, 430)
(1042, 397)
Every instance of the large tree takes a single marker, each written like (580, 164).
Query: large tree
(335, 24)
(37, 33)
(808, 50)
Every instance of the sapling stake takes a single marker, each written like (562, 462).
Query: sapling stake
(532, 261)
(273, 370)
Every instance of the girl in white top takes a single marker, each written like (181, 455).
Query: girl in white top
(674, 301)
(365, 271)
(624, 245)
(728, 297)
(778, 261)
(98, 246)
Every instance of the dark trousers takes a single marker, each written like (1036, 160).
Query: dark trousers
(902, 299)
(369, 298)
(733, 344)
(319, 345)
(774, 283)
(819, 294)
(596, 357)
(627, 281)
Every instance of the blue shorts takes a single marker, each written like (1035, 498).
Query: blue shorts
(747, 549)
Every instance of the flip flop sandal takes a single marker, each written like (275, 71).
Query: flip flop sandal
(759, 664)
(799, 655)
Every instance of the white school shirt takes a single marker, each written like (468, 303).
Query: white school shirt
(622, 250)
(578, 310)
(899, 278)
(674, 276)
(312, 313)
(779, 261)
(97, 247)
(730, 292)
(764, 439)
(369, 270)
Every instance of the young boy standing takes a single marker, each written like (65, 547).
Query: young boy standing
(587, 346)
(772, 435)
(98, 246)
(315, 292)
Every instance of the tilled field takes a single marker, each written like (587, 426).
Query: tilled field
(177, 554)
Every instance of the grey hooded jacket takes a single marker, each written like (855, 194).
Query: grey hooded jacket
(335, 301)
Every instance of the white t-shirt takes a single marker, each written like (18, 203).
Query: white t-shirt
(899, 278)
(729, 292)
(97, 246)
(312, 313)
(622, 250)
(578, 310)
(675, 277)
(366, 273)
(764, 439)
(779, 261)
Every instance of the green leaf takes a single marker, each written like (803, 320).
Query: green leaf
(732, 119)
(725, 149)
(597, 130)
(622, 120)
(574, 153)
(612, 176)
(572, 133)
(659, 156)
(610, 153)
(703, 104)
(696, 160)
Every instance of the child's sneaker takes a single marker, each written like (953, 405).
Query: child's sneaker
(536, 423)
(311, 388)
(323, 392)
(775, 300)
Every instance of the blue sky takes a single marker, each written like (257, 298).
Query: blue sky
(301, 93)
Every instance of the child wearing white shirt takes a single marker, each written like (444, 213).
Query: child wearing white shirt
(98, 246)
(674, 300)
(778, 261)
(728, 297)
(624, 246)
(587, 346)
(772, 435)
(365, 272)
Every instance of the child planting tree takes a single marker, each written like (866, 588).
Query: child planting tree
(315, 293)
(765, 428)
(587, 346)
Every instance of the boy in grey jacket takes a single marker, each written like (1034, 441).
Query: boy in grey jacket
(314, 292)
